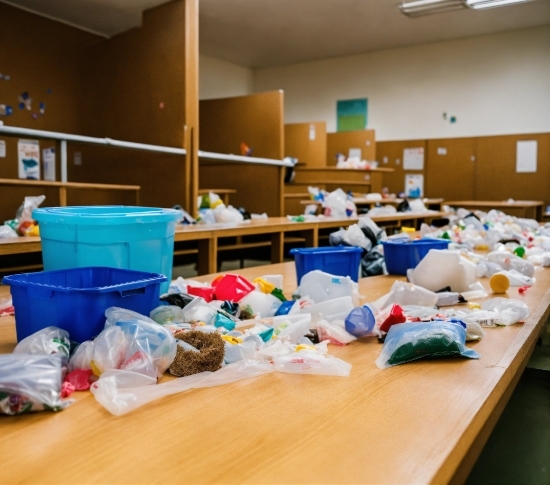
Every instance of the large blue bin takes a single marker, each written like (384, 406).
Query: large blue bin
(76, 299)
(138, 238)
(336, 260)
(402, 255)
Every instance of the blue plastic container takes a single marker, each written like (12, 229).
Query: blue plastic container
(138, 238)
(336, 260)
(76, 299)
(402, 255)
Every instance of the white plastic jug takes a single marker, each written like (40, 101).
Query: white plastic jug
(321, 286)
(441, 268)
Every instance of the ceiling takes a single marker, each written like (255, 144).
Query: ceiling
(263, 33)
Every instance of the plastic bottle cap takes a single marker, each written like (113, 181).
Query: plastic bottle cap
(499, 283)
(519, 251)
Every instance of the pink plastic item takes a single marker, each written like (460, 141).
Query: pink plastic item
(232, 287)
(205, 292)
(79, 379)
(66, 389)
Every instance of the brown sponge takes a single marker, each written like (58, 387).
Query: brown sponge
(209, 358)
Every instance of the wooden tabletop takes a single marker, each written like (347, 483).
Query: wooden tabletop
(422, 422)
(496, 203)
(69, 185)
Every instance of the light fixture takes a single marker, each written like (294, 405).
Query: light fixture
(480, 4)
(419, 8)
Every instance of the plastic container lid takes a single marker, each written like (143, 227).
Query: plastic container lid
(499, 283)
(105, 215)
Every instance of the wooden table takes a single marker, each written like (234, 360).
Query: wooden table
(525, 208)
(423, 422)
(210, 238)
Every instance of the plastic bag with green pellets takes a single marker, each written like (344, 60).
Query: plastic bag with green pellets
(412, 341)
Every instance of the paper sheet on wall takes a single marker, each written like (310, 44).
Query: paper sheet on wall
(414, 186)
(28, 154)
(526, 156)
(48, 158)
(312, 132)
(2, 149)
(355, 153)
(413, 159)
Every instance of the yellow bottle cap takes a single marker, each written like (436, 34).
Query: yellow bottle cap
(499, 283)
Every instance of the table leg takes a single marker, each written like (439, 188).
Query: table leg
(208, 256)
(311, 237)
(63, 196)
(277, 247)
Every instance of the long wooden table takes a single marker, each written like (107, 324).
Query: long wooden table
(524, 208)
(422, 422)
(210, 237)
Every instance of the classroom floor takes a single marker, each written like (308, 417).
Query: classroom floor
(518, 450)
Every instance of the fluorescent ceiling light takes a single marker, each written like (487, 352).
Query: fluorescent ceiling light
(419, 8)
(479, 4)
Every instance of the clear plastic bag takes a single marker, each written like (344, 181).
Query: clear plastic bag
(83, 356)
(509, 311)
(237, 352)
(407, 294)
(49, 340)
(337, 309)
(510, 261)
(316, 363)
(30, 383)
(334, 334)
(291, 327)
(118, 402)
(412, 341)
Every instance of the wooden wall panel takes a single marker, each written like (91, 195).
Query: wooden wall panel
(496, 177)
(390, 155)
(450, 168)
(342, 141)
(307, 142)
(256, 120)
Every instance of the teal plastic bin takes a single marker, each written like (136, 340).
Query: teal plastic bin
(137, 238)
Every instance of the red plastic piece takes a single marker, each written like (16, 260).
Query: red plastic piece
(396, 316)
(205, 292)
(523, 289)
(232, 287)
(67, 389)
(79, 379)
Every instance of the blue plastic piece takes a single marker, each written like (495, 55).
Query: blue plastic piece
(76, 299)
(285, 308)
(336, 260)
(402, 255)
(360, 321)
(138, 238)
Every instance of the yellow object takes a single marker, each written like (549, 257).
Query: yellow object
(264, 286)
(305, 347)
(95, 369)
(232, 340)
(215, 204)
(33, 231)
(474, 306)
(407, 229)
(499, 283)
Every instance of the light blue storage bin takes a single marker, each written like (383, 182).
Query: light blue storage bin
(137, 238)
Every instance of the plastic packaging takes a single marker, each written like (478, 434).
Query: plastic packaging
(333, 333)
(412, 341)
(82, 357)
(320, 286)
(260, 304)
(338, 204)
(395, 316)
(360, 321)
(291, 327)
(199, 311)
(510, 261)
(516, 278)
(337, 309)
(232, 287)
(509, 311)
(448, 298)
(441, 268)
(30, 383)
(167, 314)
(308, 362)
(245, 350)
(407, 294)
(49, 340)
(118, 403)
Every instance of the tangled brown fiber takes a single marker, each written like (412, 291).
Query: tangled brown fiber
(209, 358)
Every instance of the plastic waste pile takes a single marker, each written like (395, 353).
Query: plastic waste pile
(355, 163)
(334, 204)
(23, 224)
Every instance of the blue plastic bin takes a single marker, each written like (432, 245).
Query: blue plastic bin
(336, 260)
(76, 299)
(138, 238)
(402, 255)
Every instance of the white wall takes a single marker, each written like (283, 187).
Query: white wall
(494, 84)
(221, 79)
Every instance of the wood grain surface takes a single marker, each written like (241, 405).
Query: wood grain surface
(414, 423)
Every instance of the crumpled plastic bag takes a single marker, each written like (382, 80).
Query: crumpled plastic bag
(31, 382)
(509, 311)
(407, 294)
(334, 333)
(338, 204)
(119, 401)
(83, 356)
(49, 340)
(7, 231)
(311, 362)
(510, 261)
(412, 341)
(291, 327)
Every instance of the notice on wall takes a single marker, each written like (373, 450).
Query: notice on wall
(526, 156)
(28, 154)
(2, 149)
(414, 186)
(355, 153)
(413, 159)
(48, 158)
(312, 132)
(441, 151)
